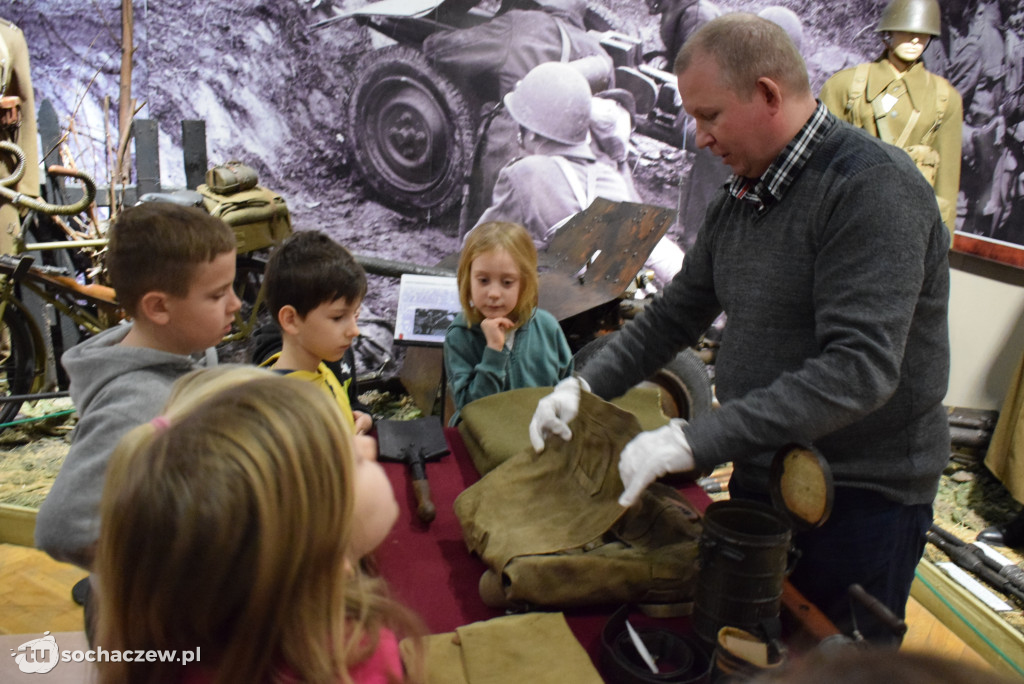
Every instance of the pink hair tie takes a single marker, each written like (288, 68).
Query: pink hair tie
(160, 423)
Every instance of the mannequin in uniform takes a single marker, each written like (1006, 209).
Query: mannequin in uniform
(897, 99)
(17, 125)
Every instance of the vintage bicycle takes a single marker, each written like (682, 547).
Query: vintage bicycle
(53, 292)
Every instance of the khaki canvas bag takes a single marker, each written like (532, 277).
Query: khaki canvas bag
(535, 647)
(497, 427)
(259, 216)
(551, 531)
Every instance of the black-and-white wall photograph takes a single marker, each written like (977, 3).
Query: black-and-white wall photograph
(377, 122)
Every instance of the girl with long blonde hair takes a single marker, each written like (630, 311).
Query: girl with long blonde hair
(232, 529)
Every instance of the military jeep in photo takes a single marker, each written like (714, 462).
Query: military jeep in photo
(411, 130)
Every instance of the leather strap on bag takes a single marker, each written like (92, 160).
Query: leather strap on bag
(680, 660)
(860, 82)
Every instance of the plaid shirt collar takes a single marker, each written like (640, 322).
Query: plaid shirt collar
(772, 185)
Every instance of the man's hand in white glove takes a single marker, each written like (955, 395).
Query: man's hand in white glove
(651, 455)
(555, 412)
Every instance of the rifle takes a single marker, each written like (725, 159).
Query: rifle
(1005, 569)
(1008, 579)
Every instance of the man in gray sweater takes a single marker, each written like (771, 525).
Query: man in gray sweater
(828, 255)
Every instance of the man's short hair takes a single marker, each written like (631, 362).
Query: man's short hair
(157, 247)
(746, 47)
(310, 269)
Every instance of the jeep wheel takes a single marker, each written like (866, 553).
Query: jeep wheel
(683, 382)
(409, 131)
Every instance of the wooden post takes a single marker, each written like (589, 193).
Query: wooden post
(193, 148)
(126, 106)
(147, 156)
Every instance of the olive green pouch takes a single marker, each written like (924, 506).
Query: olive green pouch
(231, 177)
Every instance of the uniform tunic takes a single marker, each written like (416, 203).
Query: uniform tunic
(917, 89)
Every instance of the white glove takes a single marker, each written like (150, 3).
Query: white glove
(651, 455)
(555, 412)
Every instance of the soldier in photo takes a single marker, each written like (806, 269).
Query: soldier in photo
(560, 175)
(896, 99)
(969, 54)
(1006, 203)
(488, 60)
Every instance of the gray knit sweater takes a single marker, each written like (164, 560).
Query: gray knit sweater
(837, 329)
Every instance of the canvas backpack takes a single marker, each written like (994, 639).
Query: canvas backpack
(259, 216)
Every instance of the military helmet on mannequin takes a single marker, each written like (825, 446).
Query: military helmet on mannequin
(788, 20)
(911, 16)
(553, 101)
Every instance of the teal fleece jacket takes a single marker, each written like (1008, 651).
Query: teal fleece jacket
(539, 357)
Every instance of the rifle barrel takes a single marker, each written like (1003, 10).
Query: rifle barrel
(1010, 572)
(967, 560)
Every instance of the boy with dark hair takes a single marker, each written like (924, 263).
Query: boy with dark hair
(314, 289)
(173, 269)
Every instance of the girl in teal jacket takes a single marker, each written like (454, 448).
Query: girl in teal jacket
(501, 341)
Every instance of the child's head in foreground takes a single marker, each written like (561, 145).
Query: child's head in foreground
(314, 288)
(173, 268)
(234, 523)
(497, 273)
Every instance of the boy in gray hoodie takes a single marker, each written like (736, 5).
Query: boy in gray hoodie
(173, 269)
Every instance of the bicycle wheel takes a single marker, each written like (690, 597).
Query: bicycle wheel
(17, 360)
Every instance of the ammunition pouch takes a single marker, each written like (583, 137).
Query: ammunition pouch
(927, 160)
(551, 531)
(259, 216)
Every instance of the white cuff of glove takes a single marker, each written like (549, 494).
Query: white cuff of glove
(651, 455)
(555, 412)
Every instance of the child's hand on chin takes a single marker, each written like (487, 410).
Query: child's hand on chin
(494, 331)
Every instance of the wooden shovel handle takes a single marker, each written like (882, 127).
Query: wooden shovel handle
(425, 509)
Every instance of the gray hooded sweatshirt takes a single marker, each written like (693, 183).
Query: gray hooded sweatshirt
(114, 388)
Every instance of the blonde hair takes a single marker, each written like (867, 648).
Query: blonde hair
(746, 48)
(225, 527)
(514, 239)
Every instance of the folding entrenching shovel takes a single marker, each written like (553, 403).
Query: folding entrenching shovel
(414, 442)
